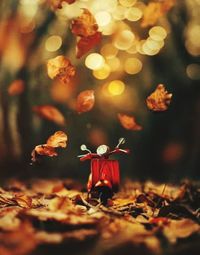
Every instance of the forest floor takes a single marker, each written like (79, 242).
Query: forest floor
(56, 217)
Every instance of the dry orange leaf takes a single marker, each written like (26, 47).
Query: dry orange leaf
(85, 101)
(155, 10)
(159, 100)
(58, 139)
(85, 25)
(50, 113)
(61, 68)
(16, 88)
(86, 28)
(85, 44)
(23, 201)
(57, 4)
(129, 122)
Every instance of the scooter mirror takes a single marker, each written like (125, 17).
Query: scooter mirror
(84, 148)
(121, 141)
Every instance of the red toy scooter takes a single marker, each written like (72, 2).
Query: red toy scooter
(104, 178)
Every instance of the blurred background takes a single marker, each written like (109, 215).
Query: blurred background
(160, 48)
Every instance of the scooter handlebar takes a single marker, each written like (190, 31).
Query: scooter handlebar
(88, 156)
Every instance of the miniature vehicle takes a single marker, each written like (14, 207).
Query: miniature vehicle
(104, 178)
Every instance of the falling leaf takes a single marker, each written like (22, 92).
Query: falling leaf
(50, 113)
(16, 88)
(43, 150)
(159, 100)
(58, 139)
(129, 122)
(61, 68)
(86, 28)
(85, 101)
(85, 25)
(155, 10)
(57, 4)
(85, 44)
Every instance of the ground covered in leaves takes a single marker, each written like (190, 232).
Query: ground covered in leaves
(57, 217)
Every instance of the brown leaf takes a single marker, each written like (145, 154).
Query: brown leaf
(16, 88)
(155, 10)
(58, 139)
(61, 68)
(85, 44)
(180, 229)
(50, 113)
(129, 122)
(43, 150)
(85, 101)
(19, 242)
(85, 25)
(23, 201)
(57, 4)
(159, 100)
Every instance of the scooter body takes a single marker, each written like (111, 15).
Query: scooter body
(104, 178)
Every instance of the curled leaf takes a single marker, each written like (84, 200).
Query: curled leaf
(85, 44)
(58, 139)
(155, 10)
(43, 150)
(85, 25)
(16, 88)
(61, 68)
(57, 4)
(129, 122)
(86, 28)
(159, 100)
(85, 101)
(50, 113)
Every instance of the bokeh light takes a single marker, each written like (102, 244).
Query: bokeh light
(132, 65)
(53, 43)
(102, 73)
(193, 71)
(109, 51)
(133, 14)
(119, 12)
(103, 18)
(116, 87)
(157, 33)
(127, 3)
(124, 39)
(94, 61)
(114, 63)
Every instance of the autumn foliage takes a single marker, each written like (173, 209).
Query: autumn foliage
(57, 140)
